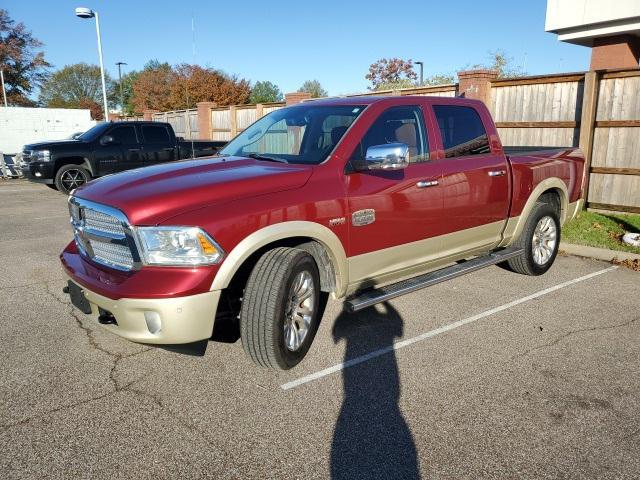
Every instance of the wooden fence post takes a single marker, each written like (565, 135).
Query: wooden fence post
(588, 126)
(259, 110)
(233, 121)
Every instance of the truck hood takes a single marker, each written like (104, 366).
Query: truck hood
(150, 195)
(52, 144)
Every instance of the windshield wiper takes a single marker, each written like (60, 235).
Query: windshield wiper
(257, 156)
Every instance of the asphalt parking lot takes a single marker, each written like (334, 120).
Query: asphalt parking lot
(492, 375)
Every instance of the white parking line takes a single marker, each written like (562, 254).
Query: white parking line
(435, 332)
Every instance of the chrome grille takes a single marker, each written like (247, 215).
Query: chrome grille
(111, 254)
(102, 222)
(103, 234)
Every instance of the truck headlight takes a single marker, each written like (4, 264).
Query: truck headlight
(42, 155)
(178, 246)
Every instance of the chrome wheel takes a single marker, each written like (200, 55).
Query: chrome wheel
(544, 240)
(72, 178)
(299, 310)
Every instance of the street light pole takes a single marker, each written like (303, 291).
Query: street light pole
(421, 76)
(4, 92)
(119, 64)
(83, 12)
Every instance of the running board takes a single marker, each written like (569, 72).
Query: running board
(382, 294)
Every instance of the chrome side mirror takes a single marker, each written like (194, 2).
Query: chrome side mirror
(391, 156)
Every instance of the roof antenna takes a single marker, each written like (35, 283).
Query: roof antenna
(186, 83)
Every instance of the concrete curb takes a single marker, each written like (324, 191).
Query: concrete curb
(597, 253)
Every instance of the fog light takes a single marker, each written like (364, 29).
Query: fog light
(154, 324)
(38, 174)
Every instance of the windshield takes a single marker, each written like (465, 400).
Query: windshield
(301, 134)
(94, 132)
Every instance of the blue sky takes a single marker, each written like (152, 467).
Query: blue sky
(289, 42)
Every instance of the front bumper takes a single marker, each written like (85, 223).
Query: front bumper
(40, 172)
(183, 319)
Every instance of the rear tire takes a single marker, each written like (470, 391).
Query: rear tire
(70, 177)
(539, 239)
(280, 310)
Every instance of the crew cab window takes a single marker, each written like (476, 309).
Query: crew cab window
(125, 135)
(155, 134)
(396, 125)
(462, 131)
(304, 133)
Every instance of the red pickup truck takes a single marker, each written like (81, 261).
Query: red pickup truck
(362, 198)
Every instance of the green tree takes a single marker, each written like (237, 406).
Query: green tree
(24, 68)
(265, 92)
(439, 79)
(314, 88)
(77, 86)
(128, 80)
(503, 64)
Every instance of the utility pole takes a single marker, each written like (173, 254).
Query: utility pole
(4, 92)
(421, 72)
(119, 64)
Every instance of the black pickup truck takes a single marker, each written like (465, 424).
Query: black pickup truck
(108, 147)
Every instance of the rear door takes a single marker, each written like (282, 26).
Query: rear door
(159, 144)
(394, 215)
(475, 179)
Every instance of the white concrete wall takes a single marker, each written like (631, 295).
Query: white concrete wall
(579, 21)
(20, 125)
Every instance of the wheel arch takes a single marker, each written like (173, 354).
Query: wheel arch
(320, 242)
(549, 186)
(74, 160)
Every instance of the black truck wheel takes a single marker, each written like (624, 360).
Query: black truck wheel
(539, 240)
(70, 177)
(280, 308)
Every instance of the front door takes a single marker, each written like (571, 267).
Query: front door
(394, 215)
(475, 181)
(123, 152)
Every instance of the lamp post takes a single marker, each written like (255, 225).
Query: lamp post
(421, 67)
(83, 12)
(119, 64)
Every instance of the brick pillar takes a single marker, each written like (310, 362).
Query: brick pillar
(204, 119)
(147, 115)
(618, 51)
(476, 84)
(296, 97)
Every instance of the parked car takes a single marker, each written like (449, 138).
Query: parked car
(107, 148)
(344, 197)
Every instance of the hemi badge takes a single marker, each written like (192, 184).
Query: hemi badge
(337, 221)
(363, 217)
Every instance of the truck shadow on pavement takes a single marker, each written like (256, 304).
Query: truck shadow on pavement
(371, 438)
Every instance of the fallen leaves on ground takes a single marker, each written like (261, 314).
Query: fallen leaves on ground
(628, 263)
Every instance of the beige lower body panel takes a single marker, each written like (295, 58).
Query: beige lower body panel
(410, 259)
(183, 319)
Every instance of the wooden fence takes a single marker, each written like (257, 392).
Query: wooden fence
(597, 111)
(184, 122)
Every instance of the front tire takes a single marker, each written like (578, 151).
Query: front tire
(540, 240)
(280, 310)
(70, 177)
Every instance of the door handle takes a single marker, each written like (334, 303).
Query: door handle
(134, 149)
(168, 149)
(426, 183)
(497, 173)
